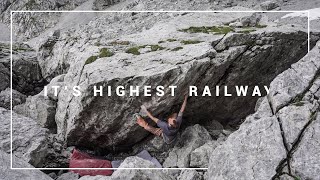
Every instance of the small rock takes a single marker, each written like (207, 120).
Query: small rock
(68, 176)
(53, 175)
(41, 109)
(200, 156)
(5, 98)
(189, 174)
(269, 5)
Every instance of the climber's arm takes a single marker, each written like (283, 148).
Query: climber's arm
(149, 114)
(184, 104)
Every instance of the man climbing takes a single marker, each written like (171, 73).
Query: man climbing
(168, 130)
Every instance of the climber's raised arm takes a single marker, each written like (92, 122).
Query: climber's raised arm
(143, 107)
(184, 104)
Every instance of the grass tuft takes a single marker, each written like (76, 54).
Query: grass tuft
(91, 59)
(246, 31)
(124, 43)
(105, 52)
(133, 50)
(209, 29)
(156, 47)
(261, 26)
(176, 48)
(190, 42)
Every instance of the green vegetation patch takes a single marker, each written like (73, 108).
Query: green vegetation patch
(176, 48)
(156, 47)
(190, 42)
(209, 29)
(124, 43)
(105, 52)
(299, 103)
(91, 59)
(246, 31)
(261, 26)
(133, 50)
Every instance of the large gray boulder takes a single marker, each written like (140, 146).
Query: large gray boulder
(192, 138)
(26, 72)
(200, 156)
(269, 5)
(5, 98)
(280, 137)
(29, 141)
(4, 66)
(41, 109)
(189, 174)
(257, 155)
(205, 59)
(306, 160)
(7, 173)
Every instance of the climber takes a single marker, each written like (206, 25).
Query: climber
(168, 130)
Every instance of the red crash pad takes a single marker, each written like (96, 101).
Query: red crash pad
(82, 160)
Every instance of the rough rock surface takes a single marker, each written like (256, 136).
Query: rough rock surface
(62, 44)
(200, 156)
(4, 69)
(5, 98)
(41, 109)
(28, 138)
(189, 174)
(12, 174)
(68, 176)
(280, 137)
(192, 138)
(26, 77)
(305, 161)
(26, 72)
(184, 67)
(269, 5)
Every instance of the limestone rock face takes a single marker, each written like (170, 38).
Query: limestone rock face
(5, 98)
(102, 4)
(40, 108)
(13, 174)
(27, 77)
(305, 161)
(189, 174)
(26, 72)
(258, 156)
(205, 59)
(200, 156)
(28, 138)
(32, 24)
(192, 138)
(291, 107)
(4, 66)
(269, 5)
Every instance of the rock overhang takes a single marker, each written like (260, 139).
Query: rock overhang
(107, 122)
